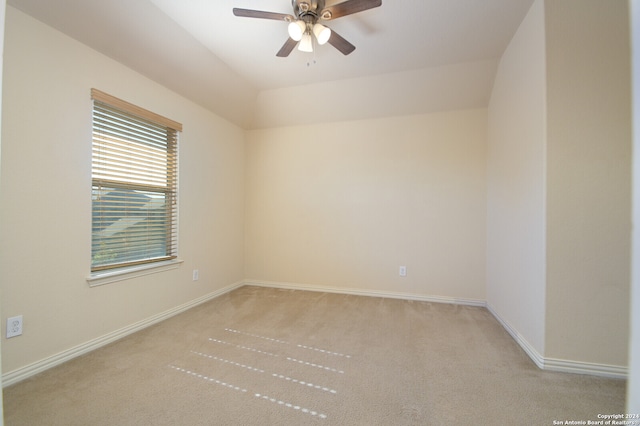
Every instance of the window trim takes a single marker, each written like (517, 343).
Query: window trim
(107, 276)
(98, 95)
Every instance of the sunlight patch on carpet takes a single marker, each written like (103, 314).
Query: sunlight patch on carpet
(311, 364)
(207, 378)
(246, 348)
(289, 405)
(301, 382)
(230, 330)
(313, 377)
(226, 361)
(324, 351)
(271, 339)
(279, 402)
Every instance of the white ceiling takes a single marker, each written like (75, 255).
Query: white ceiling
(412, 56)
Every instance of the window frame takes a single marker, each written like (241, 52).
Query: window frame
(108, 272)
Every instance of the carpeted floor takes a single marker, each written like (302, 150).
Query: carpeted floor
(260, 356)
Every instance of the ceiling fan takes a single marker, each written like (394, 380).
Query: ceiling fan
(304, 23)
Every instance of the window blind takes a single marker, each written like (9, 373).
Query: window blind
(134, 185)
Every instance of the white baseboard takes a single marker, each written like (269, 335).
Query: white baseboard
(27, 371)
(560, 365)
(363, 292)
(535, 356)
(592, 369)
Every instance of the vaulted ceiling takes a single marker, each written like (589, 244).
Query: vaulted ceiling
(411, 57)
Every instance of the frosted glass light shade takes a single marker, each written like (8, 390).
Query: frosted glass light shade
(296, 30)
(306, 44)
(322, 33)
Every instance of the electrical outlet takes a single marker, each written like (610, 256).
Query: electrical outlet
(14, 326)
(403, 271)
(196, 275)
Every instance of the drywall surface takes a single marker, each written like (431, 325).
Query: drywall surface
(45, 201)
(588, 180)
(516, 184)
(344, 204)
(443, 88)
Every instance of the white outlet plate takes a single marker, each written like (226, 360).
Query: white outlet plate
(403, 271)
(196, 275)
(14, 326)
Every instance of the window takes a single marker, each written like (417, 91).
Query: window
(134, 185)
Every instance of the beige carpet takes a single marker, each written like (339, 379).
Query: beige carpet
(261, 356)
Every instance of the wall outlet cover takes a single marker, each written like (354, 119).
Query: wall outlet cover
(403, 271)
(14, 326)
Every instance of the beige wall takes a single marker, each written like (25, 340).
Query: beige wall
(516, 184)
(588, 180)
(559, 184)
(45, 198)
(345, 204)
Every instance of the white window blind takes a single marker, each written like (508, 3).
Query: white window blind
(134, 185)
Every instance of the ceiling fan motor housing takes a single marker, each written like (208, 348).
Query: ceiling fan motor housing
(303, 8)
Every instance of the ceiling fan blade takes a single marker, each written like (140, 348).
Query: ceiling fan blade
(348, 7)
(286, 49)
(337, 41)
(250, 13)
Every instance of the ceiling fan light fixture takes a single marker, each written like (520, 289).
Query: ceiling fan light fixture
(322, 33)
(296, 30)
(306, 44)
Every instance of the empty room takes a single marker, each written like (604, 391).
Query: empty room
(354, 212)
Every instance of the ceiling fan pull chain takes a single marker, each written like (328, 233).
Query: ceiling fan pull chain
(313, 57)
